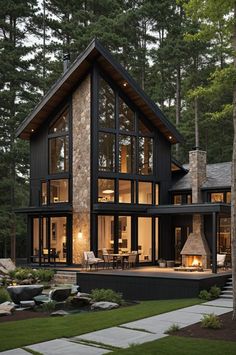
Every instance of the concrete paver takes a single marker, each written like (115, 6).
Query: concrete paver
(205, 309)
(120, 337)
(15, 352)
(220, 302)
(63, 346)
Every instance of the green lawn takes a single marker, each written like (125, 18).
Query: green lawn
(22, 333)
(181, 346)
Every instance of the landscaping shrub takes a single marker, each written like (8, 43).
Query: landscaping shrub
(215, 291)
(48, 307)
(205, 295)
(22, 273)
(44, 274)
(106, 295)
(4, 295)
(173, 328)
(210, 321)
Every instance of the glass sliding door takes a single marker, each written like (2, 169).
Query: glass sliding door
(49, 240)
(106, 234)
(145, 238)
(124, 237)
(58, 240)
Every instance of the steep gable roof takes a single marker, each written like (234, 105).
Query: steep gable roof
(68, 81)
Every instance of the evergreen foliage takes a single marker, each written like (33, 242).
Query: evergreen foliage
(167, 46)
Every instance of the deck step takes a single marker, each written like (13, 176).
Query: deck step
(227, 291)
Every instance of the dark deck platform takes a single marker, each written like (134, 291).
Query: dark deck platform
(148, 283)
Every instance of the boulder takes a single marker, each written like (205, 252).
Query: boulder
(59, 294)
(3, 271)
(104, 305)
(83, 294)
(81, 301)
(59, 313)
(27, 304)
(4, 313)
(7, 264)
(24, 292)
(7, 306)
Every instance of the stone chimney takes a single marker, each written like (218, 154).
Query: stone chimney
(196, 244)
(197, 167)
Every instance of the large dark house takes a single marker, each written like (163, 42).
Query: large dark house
(102, 175)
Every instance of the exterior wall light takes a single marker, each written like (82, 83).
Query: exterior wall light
(80, 235)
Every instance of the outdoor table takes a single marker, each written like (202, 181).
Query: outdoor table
(117, 256)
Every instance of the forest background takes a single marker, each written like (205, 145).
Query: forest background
(188, 72)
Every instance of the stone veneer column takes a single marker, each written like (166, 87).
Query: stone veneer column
(81, 129)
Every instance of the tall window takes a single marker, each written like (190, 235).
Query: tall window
(106, 105)
(125, 146)
(59, 145)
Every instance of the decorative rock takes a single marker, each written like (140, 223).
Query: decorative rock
(83, 294)
(26, 282)
(59, 294)
(4, 313)
(59, 313)
(24, 292)
(104, 305)
(74, 289)
(7, 307)
(3, 271)
(7, 264)
(28, 304)
(81, 301)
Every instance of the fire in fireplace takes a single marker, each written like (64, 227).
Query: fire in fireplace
(193, 260)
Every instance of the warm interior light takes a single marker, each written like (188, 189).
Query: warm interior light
(120, 240)
(108, 191)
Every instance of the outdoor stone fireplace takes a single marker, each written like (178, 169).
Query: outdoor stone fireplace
(196, 251)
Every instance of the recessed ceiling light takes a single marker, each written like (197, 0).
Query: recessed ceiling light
(170, 137)
(32, 130)
(125, 84)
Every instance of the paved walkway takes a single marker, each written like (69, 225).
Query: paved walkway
(138, 332)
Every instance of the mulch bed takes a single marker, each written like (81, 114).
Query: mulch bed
(22, 315)
(227, 331)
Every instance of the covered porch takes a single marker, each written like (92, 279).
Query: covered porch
(214, 210)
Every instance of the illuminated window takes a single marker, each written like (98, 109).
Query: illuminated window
(59, 191)
(145, 154)
(157, 194)
(177, 199)
(106, 190)
(145, 192)
(217, 197)
(124, 191)
(62, 124)
(228, 197)
(44, 193)
(126, 154)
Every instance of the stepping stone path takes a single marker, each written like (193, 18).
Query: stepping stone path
(137, 332)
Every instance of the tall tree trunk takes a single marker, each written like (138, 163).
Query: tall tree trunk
(233, 183)
(196, 123)
(177, 105)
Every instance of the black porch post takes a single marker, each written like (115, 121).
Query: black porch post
(214, 239)
(40, 240)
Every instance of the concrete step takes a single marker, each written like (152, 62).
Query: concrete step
(64, 277)
(228, 297)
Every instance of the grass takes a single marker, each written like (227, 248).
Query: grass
(16, 334)
(180, 346)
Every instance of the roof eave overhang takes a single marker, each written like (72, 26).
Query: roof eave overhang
(204, 208)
